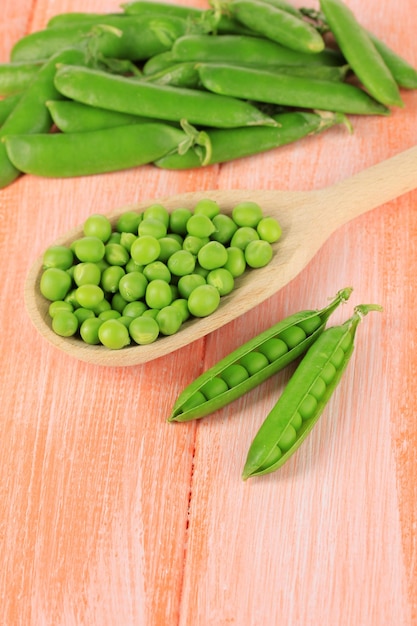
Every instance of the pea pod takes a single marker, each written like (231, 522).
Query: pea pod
(15, 77)
(74, 117)
(131, 38)
(304, 397)
(77, 17)
(210, 20)
(138, 97)
(360, 53)
(7, 105)
(404, 74)
(91, 152)
(284, 89)
(30, 115)
(183, 74)
(246, 50)
(222, 145)
(254, 362)
(277, 24)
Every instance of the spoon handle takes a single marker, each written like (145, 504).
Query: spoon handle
(371, 187)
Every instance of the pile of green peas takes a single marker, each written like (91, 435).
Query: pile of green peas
(152, 271)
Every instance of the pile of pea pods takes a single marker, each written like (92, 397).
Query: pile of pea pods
(183, 87)
(323, 354)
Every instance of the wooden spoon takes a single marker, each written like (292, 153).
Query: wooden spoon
(308, 218)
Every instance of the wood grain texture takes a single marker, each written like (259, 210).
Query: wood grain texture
(109, 515)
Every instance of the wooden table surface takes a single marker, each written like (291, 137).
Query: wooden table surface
(111, 516)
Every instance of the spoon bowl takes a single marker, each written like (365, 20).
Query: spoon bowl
(308, 218)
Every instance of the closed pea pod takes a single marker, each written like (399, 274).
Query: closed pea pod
(130, 38)
(277, 24)
(74, 117)
(288, 90)
(313, 321)
(404, 74)
(15, 77)
(139, 97)
(246, 50)
(30, 114)
(305, 396)
(92, 152)
(360, 52)
(228, 144)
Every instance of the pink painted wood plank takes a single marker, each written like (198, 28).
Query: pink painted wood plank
(110, 515)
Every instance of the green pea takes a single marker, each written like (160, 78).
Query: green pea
(292, 336)
(58, 256)
(195, 400)
(144, 330)
(297, 421)
(99, 226)
(145, 249)
(158, 294)
(168, 245)
(89, 330)
(188, 283)
(212, 255)
(181, 263)
(235, 374)
(328, 373)
(225, 228)
(104, 305)
(287, 438)
(110, 314)
(117, 302)
(269, 229)
(126, 240)
(178, 220)
(337, 357)
(222, 279)
(128, 222)
(247, 214)
(132, 266)
(310, 324)
(258, 253)
(134, 309)
(116, 254)
(169, 320)
(115, 237)
(151, 313)
(89, 296)
(207, 207)
(182, 305)
(83, 314)
(194, 244)
(243, 236)
(203, 300)
(157, 212)
(113, 334)
(55, 283)
(87, 274)
(318, 389)
(254, 362)
(59, 305)
(65, 323)
(89, 249)
(307, 407)
(200, 225)
(273, 348)
(132, 286)
(153, 227)
(214, 387)
(157, 270)
(110, 278)
(236, 262)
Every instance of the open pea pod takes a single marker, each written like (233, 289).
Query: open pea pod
(253, 362)
(304, 397)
